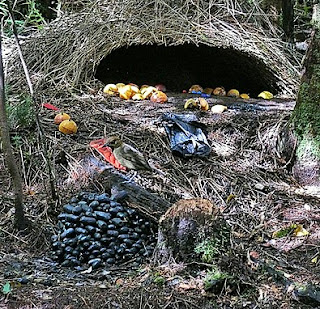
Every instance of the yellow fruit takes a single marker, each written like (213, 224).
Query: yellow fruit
(219, 91)
(60, 117)
(244, 96)
(143, 88)
(265, 95)
(110, 89)
(203, 104)
(137, 97)
(119, 85)
(146, 94)
(218, 109)
(125, 92)
(233, 93)
(208, 90)
(195, 88)
(134, 89)
(68, 127)
(158, 97)
(190, 103)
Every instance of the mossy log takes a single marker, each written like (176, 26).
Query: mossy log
(150, 204)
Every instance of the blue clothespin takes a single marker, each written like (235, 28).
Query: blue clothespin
(205, 95)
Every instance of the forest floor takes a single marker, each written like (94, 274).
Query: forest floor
(244, 176)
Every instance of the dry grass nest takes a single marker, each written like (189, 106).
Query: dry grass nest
(67, 52)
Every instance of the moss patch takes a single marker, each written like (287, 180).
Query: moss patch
(308, 145)
(306, 116)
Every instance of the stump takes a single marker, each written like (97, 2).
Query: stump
(184, 226)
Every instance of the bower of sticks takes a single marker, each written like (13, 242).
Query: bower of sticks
(245, 176)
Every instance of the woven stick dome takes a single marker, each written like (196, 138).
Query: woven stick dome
(69, 51)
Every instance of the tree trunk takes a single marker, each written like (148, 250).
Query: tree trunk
(288, 19)
(274, 7)
(306, 116)
(10, 161)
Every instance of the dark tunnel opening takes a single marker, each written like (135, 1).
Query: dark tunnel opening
(179, 67)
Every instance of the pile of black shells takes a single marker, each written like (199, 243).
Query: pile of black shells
(99, 231)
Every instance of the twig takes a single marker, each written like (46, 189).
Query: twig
(3, 230)
(39, 125)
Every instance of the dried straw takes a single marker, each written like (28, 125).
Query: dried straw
(68, 51)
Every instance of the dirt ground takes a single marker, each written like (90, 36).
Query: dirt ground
(244, 176)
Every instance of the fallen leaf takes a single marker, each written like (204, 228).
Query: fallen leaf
(314, 260)
(284, 231)
(50, 106)
(119, 282)
(187, 286)
(254, 254)
(230, 197)
(191, 103)
(265, 95)
(285, 245)
(300, 231)
(16, 284)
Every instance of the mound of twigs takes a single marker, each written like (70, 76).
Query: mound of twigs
(67, 52)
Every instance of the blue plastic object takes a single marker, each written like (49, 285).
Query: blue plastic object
(196, 92)
(205, 95)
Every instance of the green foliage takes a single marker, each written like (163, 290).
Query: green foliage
(17, 141)
(3, 8)
(285, 231)
(216, 245)
(34, 16)
(213, 276)
(27, 14)
(208, 249)
(21, 115)
(20, 25)
(158, 279)
(306, 9)
(7, 91)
